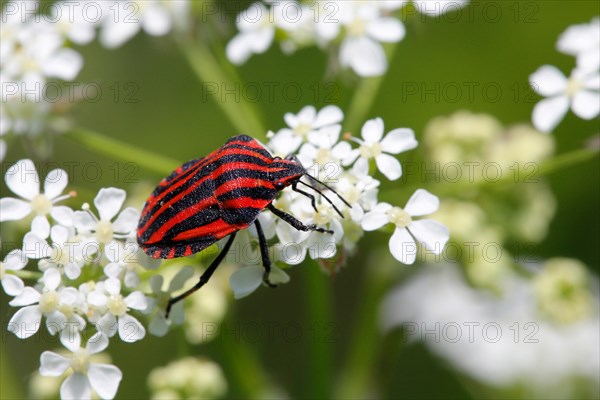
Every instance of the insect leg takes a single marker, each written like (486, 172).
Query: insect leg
(295, 223)
(205, 275)
(302, 192)
(264, 253)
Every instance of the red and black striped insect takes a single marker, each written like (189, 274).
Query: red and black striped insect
(210, 198)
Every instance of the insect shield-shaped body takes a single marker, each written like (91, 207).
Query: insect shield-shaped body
(210, 198)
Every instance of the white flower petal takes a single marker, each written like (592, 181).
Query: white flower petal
(422, 203)
(586, 104)
(156, 21)
(27, 296)
(15, 260)
(374, 220)
(113, 286)
(55, 182)
(76, 387)
(365, 56)
(65, 64)
(389, 166)
(13, 209)
(548, 81)
(52, 364)
(180, 278)
(399, 140)
(238, 50)
(97, 343)
(127, 220)
(59, 234)
(113, 35)
(403, 247)
(246, 280)
(107, 324)
(432, 233)
(84, 221)
(55, 321)
(70, 337)
(549, 112)
(26, 322)
(387, 29)
(105, 379)
(35, 247)
(63, 215)
(72, 270)
(130, 329)
(97, 299)
(52, 278)
(12, 285)
(131, 279)
(328, 115)
(159, 325)
(372, 130)
(108, 202)
(321, 246)
(40, 227)
(136, 300)
(112, 270)
(23, 180)
(277, 276)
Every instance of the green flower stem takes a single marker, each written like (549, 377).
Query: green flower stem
(355, 377)
(320, 318)
(25, 274)
(246, 369)
(123, 151)
(363, 98)
(240, 113)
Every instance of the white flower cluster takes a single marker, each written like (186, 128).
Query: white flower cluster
(359, 27)
(36, 52)
(581, 91)
(89, 264)
(314, 137)
(88, 275)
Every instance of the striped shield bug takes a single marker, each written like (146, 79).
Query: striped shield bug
(209, 198)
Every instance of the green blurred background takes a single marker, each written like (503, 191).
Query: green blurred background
(172, 114)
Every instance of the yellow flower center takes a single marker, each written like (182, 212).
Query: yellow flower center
(573, 86)
(116, 305)
(358, 27)
(104, 231)
(41, 204)
(49, 301)
(370, 150)
(323, 215)
(66, 309)
(399, 217)
(60, 254)
(80, 360)
(322, 157)
(302, 130)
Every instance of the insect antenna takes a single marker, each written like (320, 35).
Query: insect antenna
(325, 197)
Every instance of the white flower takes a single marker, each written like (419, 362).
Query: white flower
(307, 123)
(580, 92)
(402, 243)
(374, 145)
(125, 259)
(117, 306)
(38, 53)
(108, 202)
(72, 25)
(14, 261)
(124, 19)
(58, 305)
(104, 379)
(365, 29)
(583, 41)
(257, 30)
(438, 7)
(159, 325)
(23, 180)
(63, 253)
